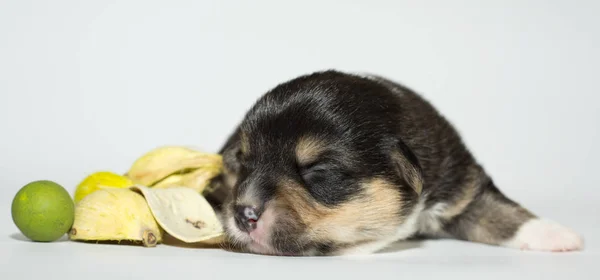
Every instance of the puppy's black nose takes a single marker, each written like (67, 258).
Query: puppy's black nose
(246, 217)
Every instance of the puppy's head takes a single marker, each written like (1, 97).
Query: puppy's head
(316, 167)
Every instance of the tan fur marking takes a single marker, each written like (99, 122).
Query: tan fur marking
(411, 175)
(244, 143)
(363, 218)
(230, 178)
(308, 148)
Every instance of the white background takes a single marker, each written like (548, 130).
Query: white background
(91, 85)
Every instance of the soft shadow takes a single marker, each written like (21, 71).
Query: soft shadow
(112, 242)
(215, 243)
(20, 237)
(403, 245)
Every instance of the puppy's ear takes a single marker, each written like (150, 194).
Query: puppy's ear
(220, 186)
(407, 166)
(232, 150)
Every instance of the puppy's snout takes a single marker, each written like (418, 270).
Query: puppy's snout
(246, 217)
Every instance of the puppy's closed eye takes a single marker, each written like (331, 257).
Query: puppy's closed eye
(314, 172)
(316, 165)
(323, 166)
(327, 183)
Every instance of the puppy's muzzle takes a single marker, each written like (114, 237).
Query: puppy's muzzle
(246, 217)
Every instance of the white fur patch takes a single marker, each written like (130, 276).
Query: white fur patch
(545, 235)
(429, 220)
(405, 230)
(235, 233)
(410, 225)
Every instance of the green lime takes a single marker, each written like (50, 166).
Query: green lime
(43, 211)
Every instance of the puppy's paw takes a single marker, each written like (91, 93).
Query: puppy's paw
(545, 235)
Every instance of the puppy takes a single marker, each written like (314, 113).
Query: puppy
(332, 163)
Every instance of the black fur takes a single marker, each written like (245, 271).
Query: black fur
(365, 121)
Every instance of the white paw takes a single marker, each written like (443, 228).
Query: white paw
(545, 235)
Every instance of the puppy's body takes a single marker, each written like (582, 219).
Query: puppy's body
(332, 163)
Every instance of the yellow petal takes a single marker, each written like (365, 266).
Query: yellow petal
(115, 215)
(198, 179)
(183, 213)
(100, 180)
(164, 161)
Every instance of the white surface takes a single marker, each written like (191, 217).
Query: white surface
(91, 85)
